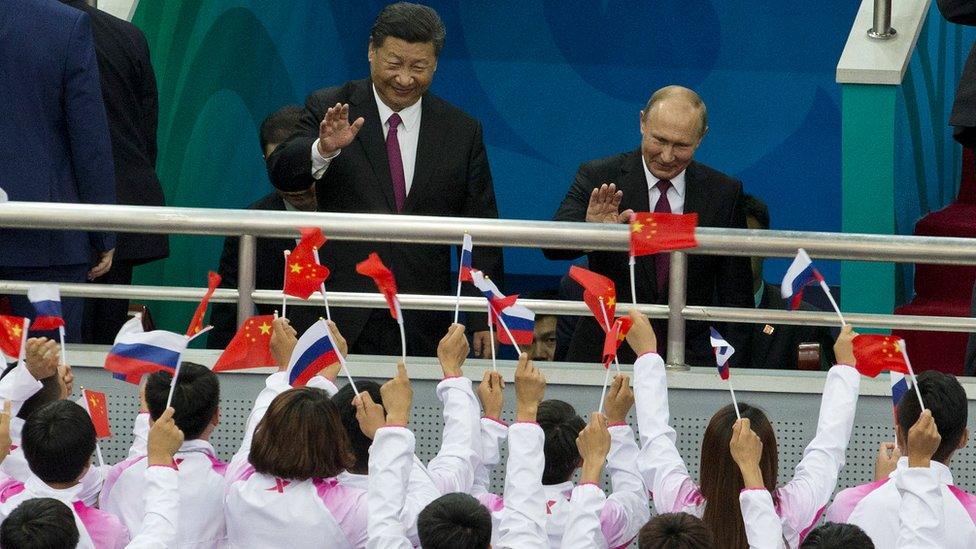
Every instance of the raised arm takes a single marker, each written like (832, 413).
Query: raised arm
(491, 393)
(583, 527)
(763, 527)
(162, 497)
(626, 510)
(922, 513)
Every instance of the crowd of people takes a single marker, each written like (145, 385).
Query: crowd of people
(321, 465)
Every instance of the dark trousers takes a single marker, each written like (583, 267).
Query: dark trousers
(104, 317)
(71, 307)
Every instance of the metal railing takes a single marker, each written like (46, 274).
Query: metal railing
(250, 224)
(882, 21)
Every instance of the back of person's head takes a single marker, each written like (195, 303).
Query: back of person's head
(301, 437)
(757, 210)
(454, 521)
(413, 23)
(50, 391)
(39, 523)
(279, 126)
(675, 531)
(195, 398)
(561, 425)
(834, 535)
(58, 442)
(359, 443)
(946, 398)
(721, 480)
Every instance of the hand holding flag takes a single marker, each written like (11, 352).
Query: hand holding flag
(315, 351)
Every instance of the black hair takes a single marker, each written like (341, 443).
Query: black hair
(195, 399)
(50, 391)
(675, 531)
(561, 425)
(454, 521)
(58, 441)
(756, 209)
(279, 125)
(413, 23)
(359, 442)
(40, 523)
(946, 398)
(835, 535)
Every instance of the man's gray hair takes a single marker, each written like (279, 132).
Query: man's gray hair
(681, 92)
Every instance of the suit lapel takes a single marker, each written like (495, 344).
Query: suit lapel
(695, 198)
(371, 137)
(429, 141)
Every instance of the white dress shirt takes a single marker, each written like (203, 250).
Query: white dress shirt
(676, 193)
(408, 135)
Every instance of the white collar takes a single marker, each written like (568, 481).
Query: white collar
(409, 117)
(38, 488)
(564, 489)
(678, 182)
(197, 445)
(943, 472)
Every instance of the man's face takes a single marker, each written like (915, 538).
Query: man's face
(544, 339)
(757, 262)
(401, 71)
(671, 132)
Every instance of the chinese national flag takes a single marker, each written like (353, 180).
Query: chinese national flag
(11, 335)
(596, 286)
(615, 336)
(250, 348)
(877, 353)
(213, 280)
(374, 268)
(652, 233)
(303, 274)
(97, 406)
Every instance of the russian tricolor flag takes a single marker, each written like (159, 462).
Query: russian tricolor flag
(900, 384)
(466, 248)
(723, 352)
(800, 275)
(517, 318)
(314, 351)
(140, 353)
(46, 299)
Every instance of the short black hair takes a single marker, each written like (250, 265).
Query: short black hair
(413, 23)
(946, 398)
(50, 391)
(195, 399)
(359, 442)
(756, 209)
(58, 441)
(279, 125)
(675, 531)
(40, 523)
(836, 535)
(454, 521)
(561, 425)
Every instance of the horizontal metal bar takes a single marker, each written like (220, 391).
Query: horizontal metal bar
(486, 232)
(477, 304)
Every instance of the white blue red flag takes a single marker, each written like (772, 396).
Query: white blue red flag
(519, 320)
(314, 351)
(723, 352)
(800, 275)
(467, 247)
(46, 299)
(136, 353)
(900, 384)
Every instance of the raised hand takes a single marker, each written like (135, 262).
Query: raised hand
(397, 397)
(844, 346)
(340, 341)
(887, 460)
(619, 400)
(746, 448)
(452, 350)
(165, 438)
(593, 444)
(641, 337)
(491, 393)
(283, 341)
(369, 414)
(335, 131)
(923, 440)
(530, 387)
(43, 357)
(604, 205)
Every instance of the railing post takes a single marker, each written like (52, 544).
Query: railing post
(677, 297)
(882, 21)
(246, 263)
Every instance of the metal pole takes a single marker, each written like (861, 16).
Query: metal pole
(677, 296)
(246, 265)
(882, 21)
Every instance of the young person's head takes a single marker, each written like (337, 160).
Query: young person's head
(454, 521)
(278, 127)
(721, 480)
(58, 441)
(359, 443)
(675, 531)
(40, 523)
(196, 399)
(301, 437)
(833, 535)
(946, 398)
(561, 425)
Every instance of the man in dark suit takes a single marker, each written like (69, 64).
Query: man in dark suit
(54, 145)
(270, 260)
(407, 151)
(131, 103)
(662, 176)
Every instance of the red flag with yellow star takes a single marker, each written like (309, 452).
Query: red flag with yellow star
(615, 336)
(213, 280)
(374, 268)
(878, 353)
(11, 335)
(303, 274)
(250, 348)
(596, 286)
(652, 233)
(96, 405)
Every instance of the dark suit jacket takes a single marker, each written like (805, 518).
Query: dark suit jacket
(270, 275)
(778, 349)
(54, 140)
(129, 92)
(712, 280)
(963, 12)
(451, 178)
